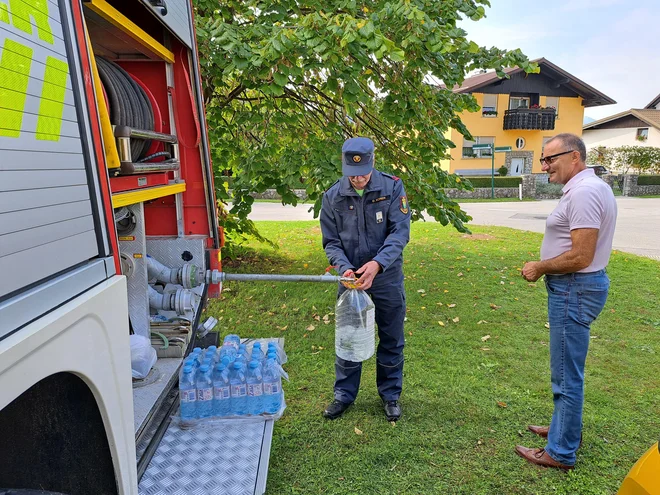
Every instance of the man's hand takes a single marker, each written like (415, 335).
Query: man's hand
(532, 271)
(367, 273)
(348, 274)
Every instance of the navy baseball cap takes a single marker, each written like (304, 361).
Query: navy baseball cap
(357, 156)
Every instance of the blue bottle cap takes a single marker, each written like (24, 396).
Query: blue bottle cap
(220, 367)
(254, 364)
(197, 350)
(187, 369)
(237, 365)
(204, 368)
(272, 354)
(226, 360)
(212, 348)
(257, 345)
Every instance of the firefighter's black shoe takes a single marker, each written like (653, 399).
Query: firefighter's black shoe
(335, 409)
(392, 410)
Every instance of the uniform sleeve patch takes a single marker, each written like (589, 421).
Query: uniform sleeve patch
(403, 205)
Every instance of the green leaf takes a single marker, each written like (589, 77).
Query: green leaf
(280, 79)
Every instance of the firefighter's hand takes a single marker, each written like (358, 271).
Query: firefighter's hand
(367, 273)
(348, 274)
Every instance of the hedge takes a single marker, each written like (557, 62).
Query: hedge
(648, 180)
(499, 181)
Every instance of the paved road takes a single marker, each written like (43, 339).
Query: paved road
(637, 230)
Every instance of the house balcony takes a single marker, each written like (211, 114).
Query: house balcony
(540, 119)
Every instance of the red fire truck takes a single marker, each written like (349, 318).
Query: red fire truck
(108, 227)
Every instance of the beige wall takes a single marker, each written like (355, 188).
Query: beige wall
(613, 138)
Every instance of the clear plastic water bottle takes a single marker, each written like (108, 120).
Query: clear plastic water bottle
(272, 385)
(204, 392)
(221, 392)
(254, 388)
(210, 353)
(242, 351)
(273, 355)
(188, 393)
(229, 351)
(238, 390)
(257, 352)
(232, 339)
(355, 334)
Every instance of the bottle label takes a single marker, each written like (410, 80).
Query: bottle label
(204, 394)
(239, 390)
(255, 390)
(188, 395)
(221, 393)
(271, 388)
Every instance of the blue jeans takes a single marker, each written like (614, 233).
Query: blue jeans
(574, 302)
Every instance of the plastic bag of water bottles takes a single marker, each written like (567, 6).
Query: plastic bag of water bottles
(233, 382)
(355, 334)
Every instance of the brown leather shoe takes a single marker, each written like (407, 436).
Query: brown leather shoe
(540, 457)
(541, 431)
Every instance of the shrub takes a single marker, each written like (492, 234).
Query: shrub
(503, 171)
(648, 180)
(499, 181)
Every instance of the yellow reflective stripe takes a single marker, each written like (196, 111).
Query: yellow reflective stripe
(4, 13)
(51, 106)
(21, 12)
(15, 71)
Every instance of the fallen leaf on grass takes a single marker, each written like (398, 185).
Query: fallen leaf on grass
(451, 305)
(421, 291)
(547, 325)
(485, 338)
(481, 322)
(485, 348)
(410, 333)
(439, 304)
(283, 328)
(502, 404)
(456, 320)
(283, 306)
(460, 274)
(520, 433)
(423, 307)
(446, 291)
(310, 328)
(479, 442)
(441, 323)
(494, 306)
(357, 431)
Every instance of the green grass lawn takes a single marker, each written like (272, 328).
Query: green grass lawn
(471, 384)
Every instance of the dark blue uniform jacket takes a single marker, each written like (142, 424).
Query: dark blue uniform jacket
(358, 229)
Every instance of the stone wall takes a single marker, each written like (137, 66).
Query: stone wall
(482, 193)
(630, 187)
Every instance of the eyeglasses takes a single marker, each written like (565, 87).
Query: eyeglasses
(549, 160)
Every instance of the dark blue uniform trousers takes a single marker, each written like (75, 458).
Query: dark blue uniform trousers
(389, 298)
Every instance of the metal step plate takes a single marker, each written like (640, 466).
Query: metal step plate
(224, 457)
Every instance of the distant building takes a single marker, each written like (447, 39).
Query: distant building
(522, 112)
(634, 127)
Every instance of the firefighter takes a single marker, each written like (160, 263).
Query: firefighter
(365, 222)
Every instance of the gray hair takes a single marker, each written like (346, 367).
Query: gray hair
(571, 141)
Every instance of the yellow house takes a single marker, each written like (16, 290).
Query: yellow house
(522, 112)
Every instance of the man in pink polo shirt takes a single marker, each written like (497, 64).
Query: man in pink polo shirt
(575, 251)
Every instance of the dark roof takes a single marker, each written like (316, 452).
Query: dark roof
(648, 116)
(592, 97)
(653, 103)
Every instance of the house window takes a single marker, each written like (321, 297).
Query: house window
(518, 102)
(643, 134)
(489, 108)
(468, 152)
(520, 143)
(553, 102)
